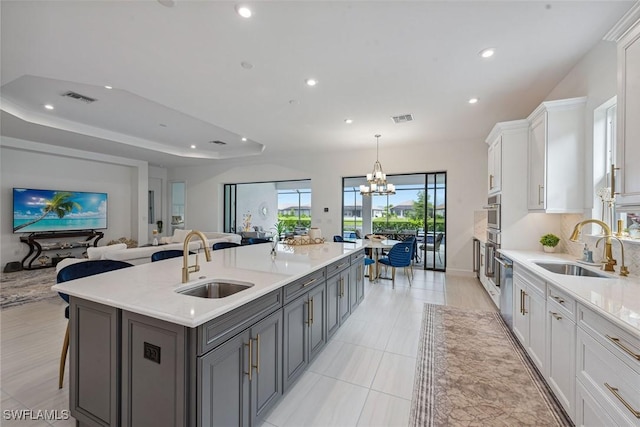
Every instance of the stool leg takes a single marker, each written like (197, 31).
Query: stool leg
(63, 356)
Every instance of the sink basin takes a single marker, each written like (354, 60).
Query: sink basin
(216, 289)
(569, 269)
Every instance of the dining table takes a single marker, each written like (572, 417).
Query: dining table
(377, 246)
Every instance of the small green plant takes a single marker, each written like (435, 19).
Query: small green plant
(279, 229)
(550, 240)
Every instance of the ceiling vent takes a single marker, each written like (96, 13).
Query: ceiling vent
(79, 97)
(402, 119)
(218, 142)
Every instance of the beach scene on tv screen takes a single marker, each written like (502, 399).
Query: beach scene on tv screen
(51, 210)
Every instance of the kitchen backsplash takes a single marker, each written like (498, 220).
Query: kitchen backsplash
(480, 225)
(631, 247)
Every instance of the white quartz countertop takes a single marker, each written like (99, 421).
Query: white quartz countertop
(150, 289)
(617, 298)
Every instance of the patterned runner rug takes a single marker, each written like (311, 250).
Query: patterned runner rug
(471, 372)
(26, 286)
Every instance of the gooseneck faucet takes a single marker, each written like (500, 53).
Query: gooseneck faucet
(610, 262)
(186, 268)
(624, 271)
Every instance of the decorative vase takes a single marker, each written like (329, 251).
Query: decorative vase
(315, 233)
(549, 249)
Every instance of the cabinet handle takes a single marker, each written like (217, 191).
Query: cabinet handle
(308, 283)
(555, 315)
(308, 322)
(340, 266)
(613, 180)
(250, 358)
(560, 300)
(614, 390)
(624, 348)
(524, 303)
(341, 287)
(257, 365)
(311, 311)
(540, 187)
(490, 181)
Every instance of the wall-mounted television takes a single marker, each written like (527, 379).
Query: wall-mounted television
(55, 210)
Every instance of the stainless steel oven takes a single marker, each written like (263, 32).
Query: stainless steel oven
(493, 212)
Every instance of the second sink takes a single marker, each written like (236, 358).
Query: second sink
(569, 269)
(216, 289)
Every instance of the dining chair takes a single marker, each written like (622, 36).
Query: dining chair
(398, 256)
(435, 246)
(169, 253)
(338, 239)
(224, 245)
(257, 240)
(77, 271)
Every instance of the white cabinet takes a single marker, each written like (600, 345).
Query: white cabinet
(494, 166)
(627, 178)
(561, 348)
(556, 157)
(529, 315)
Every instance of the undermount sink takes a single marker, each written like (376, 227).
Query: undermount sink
(216, 289)
(570, 269)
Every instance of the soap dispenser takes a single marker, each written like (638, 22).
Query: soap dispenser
(585, 253)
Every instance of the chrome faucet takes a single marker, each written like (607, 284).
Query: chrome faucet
(610, 262)
(624, 271)
(186, 268)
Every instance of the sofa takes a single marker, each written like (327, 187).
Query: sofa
(141, 255)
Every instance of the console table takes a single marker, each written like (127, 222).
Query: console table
(36, 248)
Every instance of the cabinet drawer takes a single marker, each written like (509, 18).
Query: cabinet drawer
(357, 257)
(337, 266)
(589, 413)
(619, 342)
(297, 288)
(613, 383)
(563, 302)
(217, 331)
(536, 284)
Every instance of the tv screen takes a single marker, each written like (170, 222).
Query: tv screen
(54, 210)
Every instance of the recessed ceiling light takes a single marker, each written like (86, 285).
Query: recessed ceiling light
(108, 87)
(487, 53)
(193, 146)
(246, 65)
(48, 106)
(473, 101)
(162, 125)
(243, 11)
(311, 82)
(348, 121)
(244, 139)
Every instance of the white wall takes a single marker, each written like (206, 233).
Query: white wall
(33, 165)
(464, 161)
(249, 198)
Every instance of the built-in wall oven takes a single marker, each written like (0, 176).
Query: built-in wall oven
(490, 252)
(493, 212)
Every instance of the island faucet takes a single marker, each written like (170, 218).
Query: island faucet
(186, 268)
(610, 262)
(624, 271)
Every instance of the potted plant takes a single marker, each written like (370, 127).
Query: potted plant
(549, 242)
(279, 230)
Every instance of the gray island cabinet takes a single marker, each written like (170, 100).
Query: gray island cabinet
(130, 369)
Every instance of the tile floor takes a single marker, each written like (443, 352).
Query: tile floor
(363, 377)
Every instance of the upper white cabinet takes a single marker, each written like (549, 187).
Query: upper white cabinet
(495, 165)
(627, 177)
(556, 157)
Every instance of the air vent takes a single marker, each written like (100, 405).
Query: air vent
(218, 142)
(79, 97)
(402, 119)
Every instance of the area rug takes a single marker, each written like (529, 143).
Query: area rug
(471, 372)
(22, 287)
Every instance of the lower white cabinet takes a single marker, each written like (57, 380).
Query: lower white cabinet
(530, 315)
(561, 349)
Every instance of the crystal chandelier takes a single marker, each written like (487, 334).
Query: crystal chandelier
(377, 180)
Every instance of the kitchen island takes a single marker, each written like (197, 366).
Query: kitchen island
(582, 332)
(142, 353)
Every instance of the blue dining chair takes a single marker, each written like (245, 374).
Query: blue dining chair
(257, 240)
(368, 262)
(399, 256)
(169, 253)
(224, 245)
(77, 271)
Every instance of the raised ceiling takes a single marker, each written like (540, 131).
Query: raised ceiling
(198, 72)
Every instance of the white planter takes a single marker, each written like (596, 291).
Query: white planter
(549, 249)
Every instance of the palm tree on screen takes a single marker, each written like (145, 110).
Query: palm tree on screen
(61, 204)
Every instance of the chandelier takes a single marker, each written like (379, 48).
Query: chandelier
(377, 180)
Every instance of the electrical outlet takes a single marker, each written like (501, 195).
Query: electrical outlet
(152, 352)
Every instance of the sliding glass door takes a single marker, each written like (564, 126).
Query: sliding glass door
(418, 208)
